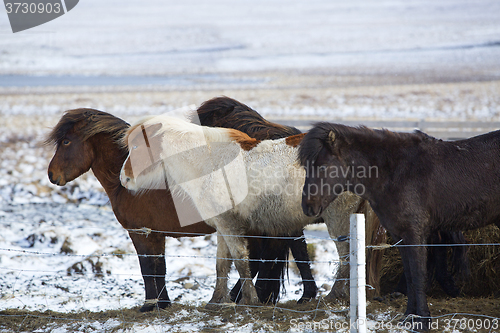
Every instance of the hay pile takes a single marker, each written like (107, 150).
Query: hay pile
(484, 277)
(484, 262)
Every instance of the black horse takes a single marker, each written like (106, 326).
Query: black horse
(416, 185)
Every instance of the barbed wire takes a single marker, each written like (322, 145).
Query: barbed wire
(100, 255)
(198, 279)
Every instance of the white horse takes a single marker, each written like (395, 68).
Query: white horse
(237, 184)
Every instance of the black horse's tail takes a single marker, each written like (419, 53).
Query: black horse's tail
(269, 259)
(271, 269)
(269, 256)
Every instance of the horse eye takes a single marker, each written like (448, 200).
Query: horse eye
(65, 142)
(322, 168)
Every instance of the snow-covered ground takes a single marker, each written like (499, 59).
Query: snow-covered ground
(62, 249)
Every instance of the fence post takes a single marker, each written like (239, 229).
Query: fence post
(358, 272)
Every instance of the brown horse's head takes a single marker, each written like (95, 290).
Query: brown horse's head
(75, 149)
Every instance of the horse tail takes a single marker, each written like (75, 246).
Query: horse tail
(274, 255)
(230, 113)
(271, 267)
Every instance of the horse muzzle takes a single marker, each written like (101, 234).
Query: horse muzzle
(312, 210)
(57, 181)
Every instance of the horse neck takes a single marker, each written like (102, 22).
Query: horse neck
(374, 161)
(107, 163)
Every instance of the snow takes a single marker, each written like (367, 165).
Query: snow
(67, 257)
(161, 38)
(62, 249)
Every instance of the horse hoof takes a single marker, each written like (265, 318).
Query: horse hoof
(150, 306)
(303, 300)
(416, 323)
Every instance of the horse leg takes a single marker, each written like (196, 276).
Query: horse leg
(151, 252)
(439, 259)
(415, 267)
(299, 252)
(238, 247)
(223, 265)
(441, 273)
(256, 249)
(401, 287)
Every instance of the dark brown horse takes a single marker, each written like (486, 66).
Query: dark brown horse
(87, 139)
(416, 185)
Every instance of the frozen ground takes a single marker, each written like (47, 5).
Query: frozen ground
(62, 249)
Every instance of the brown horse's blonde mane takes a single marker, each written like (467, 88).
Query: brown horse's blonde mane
(88, 122)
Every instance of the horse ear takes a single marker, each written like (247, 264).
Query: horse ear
(331, 136)
(332, 140)
(152, 129)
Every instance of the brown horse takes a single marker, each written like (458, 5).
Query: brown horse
(87, 139)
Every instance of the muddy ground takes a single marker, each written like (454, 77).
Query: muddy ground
(448, 312)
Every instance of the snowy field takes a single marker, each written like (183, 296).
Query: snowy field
(164, 38)
(61, 248)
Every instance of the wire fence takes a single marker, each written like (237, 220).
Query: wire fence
(318, 311)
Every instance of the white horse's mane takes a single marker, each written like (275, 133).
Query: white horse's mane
(180, 126)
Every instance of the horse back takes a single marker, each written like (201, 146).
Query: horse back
(458, 181)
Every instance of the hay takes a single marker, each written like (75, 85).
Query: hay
(484, 262)
(392, 269)
(484, 279)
